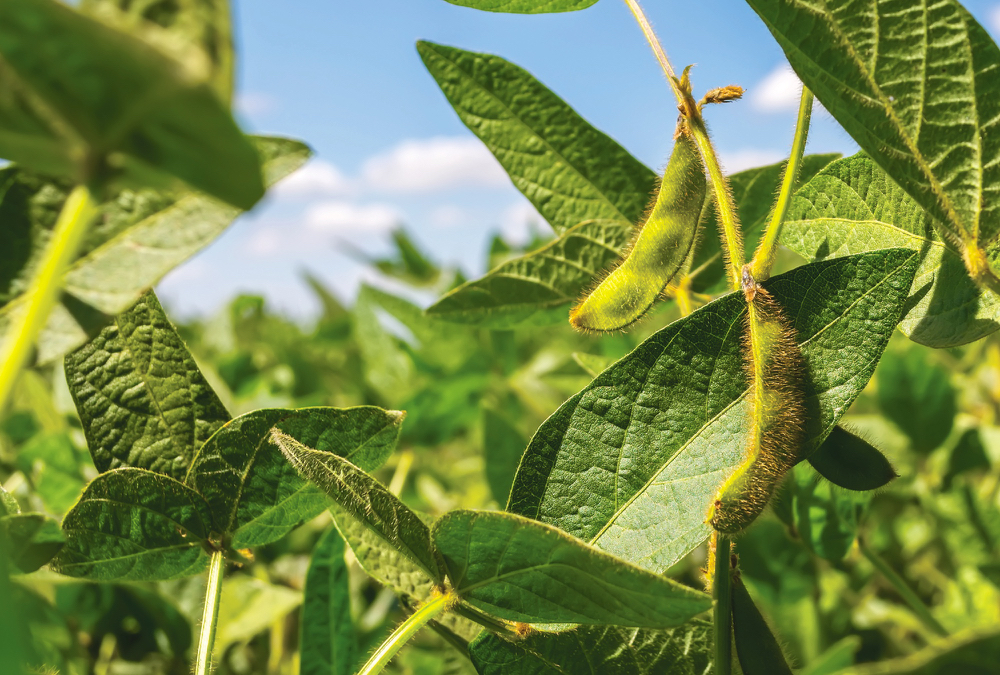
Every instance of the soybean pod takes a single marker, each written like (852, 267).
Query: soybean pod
(660, 249)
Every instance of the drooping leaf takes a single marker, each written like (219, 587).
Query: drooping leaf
(136, 525)
(329, 643)
(368, 501)
(502, 448)
(756, 646)
(250, 606)
(610, 650)
(632, 462)
(851, 462)
(525, 6)
(143, 117)
(33, 539)
(254, 493)
(971, 651)
(522, 570)
(852, 206)
(913, 88)
(141, 398)
(138, 237)
(915, 392)
(568, 170)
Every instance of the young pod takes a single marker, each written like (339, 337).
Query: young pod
(775, 368)
(659, 250)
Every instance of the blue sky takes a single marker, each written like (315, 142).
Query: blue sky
(345, 77)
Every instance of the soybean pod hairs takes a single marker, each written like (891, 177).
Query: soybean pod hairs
(660, 250)
(777, 413)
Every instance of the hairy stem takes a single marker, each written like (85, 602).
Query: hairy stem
(406, 630)
(915, 603)
(654, 42)
(722, 585)
(29, 319)
(763, 259)
(210, 615)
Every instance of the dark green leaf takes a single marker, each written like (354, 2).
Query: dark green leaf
(141, 398)
(851, 462)
(522, 570)
(852, 206)
(33, 539)
(138, 237)
(569, 170)
(825, 517)
(502, 448)
(914, 89)
(258, 497)
(525, 6)
(145, 115)
(915, 392)
(967, 455)
(756, 647)
(368, 501)
(609, 650)
(970, 652)
(136, 525)
(632, 462)
(329, 644)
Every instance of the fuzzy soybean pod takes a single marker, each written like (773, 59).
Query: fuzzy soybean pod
(659, 249)
(775, 370)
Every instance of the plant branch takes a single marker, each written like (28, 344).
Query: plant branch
(722, 586)
(29, 320)
(763, 259)
(210, 615)
(654, 42)
(915, 603)
(405, 631)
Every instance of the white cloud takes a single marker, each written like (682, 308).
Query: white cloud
(778, 92)
(448, 216)
(252, 103)
(342, 217)
(518, 221)
(427, 165)
(318, 178)
(993, 20)
(748, 158)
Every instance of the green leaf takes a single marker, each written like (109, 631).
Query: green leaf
(914, 89)
(33, 540)
(568, 170)
(592, 364)
(632, 462)
(52, 465)
(852, 206)
(967, 455)
(144, 116)
(525, 6)
(972, 651)
(837, 657)
(138, 238)
(502, 448)
(536, 289)
(141, 398)
(136, 525)
(329, 644)
(915, 392)
(198, 33)
(610, 650)
(756, 647)
(8, 505)
(851, 462)
(367, 500)
(258, 497)
(522, 570)
(249, 607)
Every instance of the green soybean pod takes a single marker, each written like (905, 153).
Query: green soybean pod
(659, 250)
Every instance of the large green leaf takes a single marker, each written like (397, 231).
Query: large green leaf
(972, 652)
(569, 170)
(368, 501)
(525, 6)
(144, 116)
(138, 237)
(852, 206)
(33, 540)
(329, 644)
(523, 570)
(756, 646)
(141, 398)
(913, 85)
(609, 650)
(915, 392)
(632, 462)
(258, 497)
(136, 525)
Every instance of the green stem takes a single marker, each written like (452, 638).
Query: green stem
(406, 630)
(29, 319)
(915, 603)
(210, 616)
(763, 259)
(722, 585)
(654, 42)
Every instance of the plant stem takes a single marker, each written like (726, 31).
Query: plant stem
(729, 222)
(29, 320)
(915, 603)
(210, 616)
(406, 630)
(722, 586)
(763, 259)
